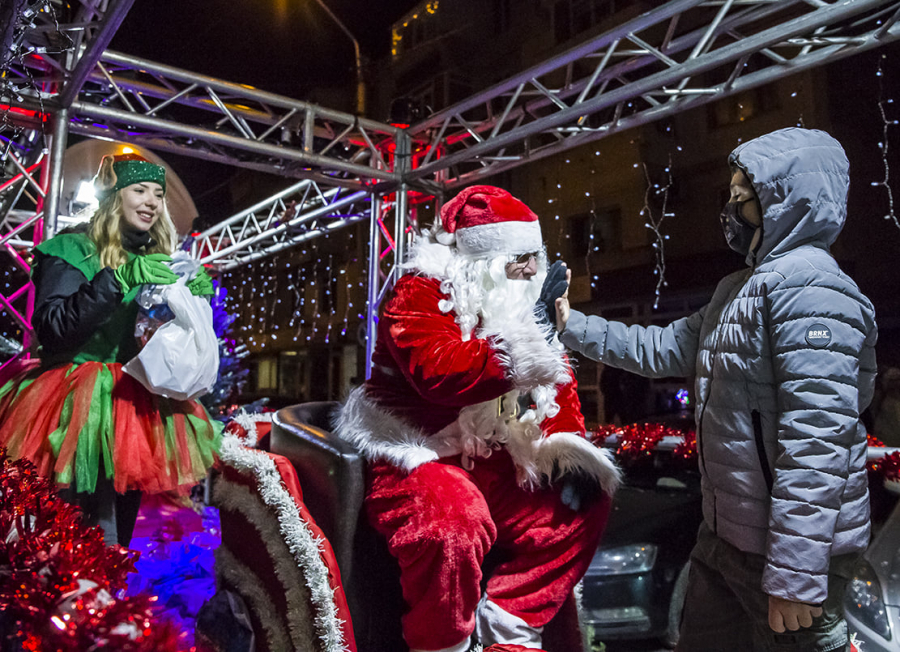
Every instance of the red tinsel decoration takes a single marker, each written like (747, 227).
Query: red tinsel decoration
(874, 441)
(640, 439)
(687, 449)
(61, 586)
(888, 466)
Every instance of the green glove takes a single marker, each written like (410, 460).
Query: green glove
(201, 285)
(150, 269)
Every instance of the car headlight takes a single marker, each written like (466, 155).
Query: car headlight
(863, 600)
(623, 560)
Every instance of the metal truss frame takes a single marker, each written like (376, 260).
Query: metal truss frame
(680, 55)
(641, 71)
(633, 74)
(174, 110)
(298, 213)
(20, 230)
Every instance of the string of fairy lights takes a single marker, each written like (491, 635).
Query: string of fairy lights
(883, 146)
(297, 292)
(563, 234)
(654, 221)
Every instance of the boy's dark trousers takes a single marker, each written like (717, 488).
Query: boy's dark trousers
(726, 609)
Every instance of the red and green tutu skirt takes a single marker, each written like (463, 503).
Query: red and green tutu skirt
(75, 420)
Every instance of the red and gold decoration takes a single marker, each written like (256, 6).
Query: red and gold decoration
(61, 588)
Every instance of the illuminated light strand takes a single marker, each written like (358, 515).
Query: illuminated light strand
(330, 302)
(883, 145)
(17, 52)
(654, 224)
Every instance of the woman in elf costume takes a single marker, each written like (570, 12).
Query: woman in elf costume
(93, 429)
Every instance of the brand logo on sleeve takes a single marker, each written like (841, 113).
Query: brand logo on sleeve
(818, 335)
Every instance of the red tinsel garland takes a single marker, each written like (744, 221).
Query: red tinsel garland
(888, 466)
(61, 587)
(638, 440)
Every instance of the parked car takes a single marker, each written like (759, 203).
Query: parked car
(634, 587)
(872, 600)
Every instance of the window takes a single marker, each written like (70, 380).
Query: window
(266, 374)
(292, 380)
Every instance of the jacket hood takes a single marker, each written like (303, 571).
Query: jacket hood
(801, 177)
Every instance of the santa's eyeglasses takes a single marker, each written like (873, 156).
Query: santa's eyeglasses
(523, 259)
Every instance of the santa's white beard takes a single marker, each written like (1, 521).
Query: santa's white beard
(480, 289)
(504, 296)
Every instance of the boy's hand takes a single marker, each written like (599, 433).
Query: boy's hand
(791, 615)
(562, 305)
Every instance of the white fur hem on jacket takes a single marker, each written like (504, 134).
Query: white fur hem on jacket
(379, 435)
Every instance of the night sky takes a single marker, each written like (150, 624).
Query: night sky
(282, 46)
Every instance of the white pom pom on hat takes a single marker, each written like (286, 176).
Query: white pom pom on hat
(486, 220)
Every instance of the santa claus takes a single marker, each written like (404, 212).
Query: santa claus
(472, 428)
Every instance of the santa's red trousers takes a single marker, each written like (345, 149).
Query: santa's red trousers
(440, 520)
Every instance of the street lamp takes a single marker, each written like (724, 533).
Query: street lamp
(360, 84)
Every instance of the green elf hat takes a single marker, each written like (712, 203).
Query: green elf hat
(122, 170)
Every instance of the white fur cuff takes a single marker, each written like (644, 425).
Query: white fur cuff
(563, 453)
(379, 435)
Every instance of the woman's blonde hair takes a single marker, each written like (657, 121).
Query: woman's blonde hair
(106, 231)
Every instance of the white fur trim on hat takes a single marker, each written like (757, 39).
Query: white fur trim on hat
(511, 237)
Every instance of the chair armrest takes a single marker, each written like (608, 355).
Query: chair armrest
(330, 470)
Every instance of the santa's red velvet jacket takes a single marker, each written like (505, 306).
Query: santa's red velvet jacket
(436, 391)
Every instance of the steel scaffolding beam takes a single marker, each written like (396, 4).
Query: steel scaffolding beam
(20, 230)
(677, 56)
(55, 46)
(298, 213)
(642, 71)
(139, 100)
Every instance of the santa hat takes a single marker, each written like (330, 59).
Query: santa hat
(486, 220)
(122, 170)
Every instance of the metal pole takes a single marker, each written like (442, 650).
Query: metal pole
(400, 223)
(360, 84)
(54, 186)
(402, 164)
(374, 282)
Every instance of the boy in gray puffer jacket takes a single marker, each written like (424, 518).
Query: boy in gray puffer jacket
(784, 361)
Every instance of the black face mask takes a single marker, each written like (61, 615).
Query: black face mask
(738, 231)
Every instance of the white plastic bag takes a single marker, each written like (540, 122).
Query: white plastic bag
(181, 359)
